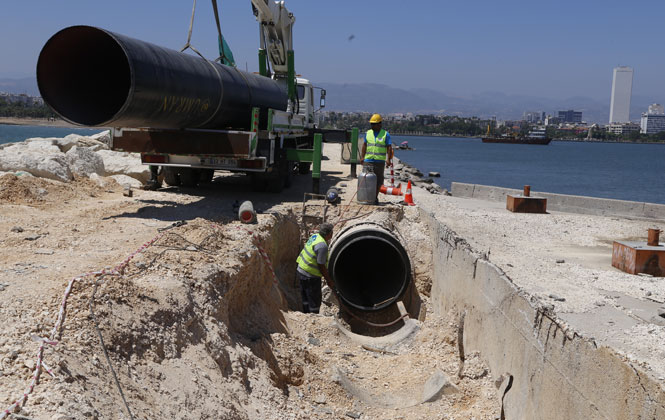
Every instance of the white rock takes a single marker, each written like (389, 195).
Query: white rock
(102, 182)
(42, 145)
(103, 137)
(127, 181)
(122, 163)
(39, 157)
(76, 140)
(83, 161)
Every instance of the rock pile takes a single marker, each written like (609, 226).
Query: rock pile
(405, 172)
(61, 159)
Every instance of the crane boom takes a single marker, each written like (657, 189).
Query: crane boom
(276, 33)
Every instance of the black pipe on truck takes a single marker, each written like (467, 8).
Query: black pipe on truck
(93, 77)
(370, 267)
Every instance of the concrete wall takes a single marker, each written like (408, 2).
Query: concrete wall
(567, 203)
(556, 373)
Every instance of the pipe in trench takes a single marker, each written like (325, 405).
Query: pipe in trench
(90, 76)
(370, 267)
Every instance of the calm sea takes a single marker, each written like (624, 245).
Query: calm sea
(610, 170)
(621, 171)
(14, 133)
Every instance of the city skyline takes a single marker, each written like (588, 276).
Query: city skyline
(459, 49)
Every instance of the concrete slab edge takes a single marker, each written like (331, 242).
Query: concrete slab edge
(557, 373)
(566, 203)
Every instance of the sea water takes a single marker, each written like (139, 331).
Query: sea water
(15, 133)
(624, 171)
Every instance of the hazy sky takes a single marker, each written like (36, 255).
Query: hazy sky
(554, 49)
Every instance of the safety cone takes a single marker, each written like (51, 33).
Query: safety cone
(390, 190)
(408, 198)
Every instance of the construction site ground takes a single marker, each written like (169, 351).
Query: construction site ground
(195, 326)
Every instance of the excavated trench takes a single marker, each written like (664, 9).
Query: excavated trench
(424, 328)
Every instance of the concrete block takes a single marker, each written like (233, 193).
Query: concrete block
(521, 204)
(638, 257)
(656, 211)
(460, 189)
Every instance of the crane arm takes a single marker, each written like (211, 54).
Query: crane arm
(276, 33)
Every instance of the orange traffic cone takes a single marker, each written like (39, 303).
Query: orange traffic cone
(390, 190)
(408, 198)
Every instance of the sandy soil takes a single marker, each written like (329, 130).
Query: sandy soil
(36, 121)
(195, 327)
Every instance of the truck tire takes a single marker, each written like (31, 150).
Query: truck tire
(275, 180)
(206, 176)
(288, 175)
(303, 167)
(189, 177)
(171, 177)
(285, 170)
(257, 181)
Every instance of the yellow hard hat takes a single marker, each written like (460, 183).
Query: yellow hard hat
(376, 118)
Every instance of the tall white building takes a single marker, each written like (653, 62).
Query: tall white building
(622, 86)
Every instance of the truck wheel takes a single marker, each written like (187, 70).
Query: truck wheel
(189, 177)
(171, 177)
(206, 176)
(275, 182)
(303, 167)
(288, 175)
(258, 181)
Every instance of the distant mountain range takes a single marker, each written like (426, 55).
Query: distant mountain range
(369, 97)
(27, 85)
(385, 99)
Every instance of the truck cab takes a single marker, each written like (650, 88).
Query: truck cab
(305, 105)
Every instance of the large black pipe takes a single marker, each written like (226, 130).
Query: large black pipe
(93, 77)
(370, 267)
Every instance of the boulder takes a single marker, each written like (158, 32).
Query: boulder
(40, 158)
(123, 163)
(75, 140)
(435, 189)
(83, 161)
(41, 145)
(127, 181)
(434, 174)
(104, 137)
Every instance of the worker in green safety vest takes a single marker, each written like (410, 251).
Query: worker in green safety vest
(312, 265)
(376, 149)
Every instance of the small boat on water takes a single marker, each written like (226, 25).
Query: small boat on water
(405, 146)
(536, 136)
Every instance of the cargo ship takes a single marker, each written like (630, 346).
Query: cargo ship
(536, 136)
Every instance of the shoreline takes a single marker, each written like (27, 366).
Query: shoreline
(554, 139)
(41, 122)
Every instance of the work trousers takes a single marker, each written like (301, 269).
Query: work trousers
(378, 168)
(310, 290)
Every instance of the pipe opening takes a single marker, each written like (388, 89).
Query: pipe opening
(370, 267)
(84, 75)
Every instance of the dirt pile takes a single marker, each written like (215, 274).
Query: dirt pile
(32, 191)
(195, 326)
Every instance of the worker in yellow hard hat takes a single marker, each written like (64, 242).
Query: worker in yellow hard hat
(377, 148)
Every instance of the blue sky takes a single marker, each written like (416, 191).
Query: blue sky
(554, 49)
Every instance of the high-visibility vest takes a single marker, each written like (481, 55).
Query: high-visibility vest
(376, 146)
(307, 258)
